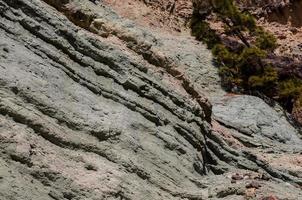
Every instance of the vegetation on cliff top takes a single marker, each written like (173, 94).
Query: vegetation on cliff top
(241, 49)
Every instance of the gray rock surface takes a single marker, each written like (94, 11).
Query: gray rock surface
(120, 114)
(252, 116)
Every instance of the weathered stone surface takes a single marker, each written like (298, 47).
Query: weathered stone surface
(117, 111)
(252, 116)
(165, 15)
(72, 100)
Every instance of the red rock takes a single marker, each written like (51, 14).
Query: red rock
(271, 197)
(297, 112)
(282, 37)
(250, 193)
(237, 177)
(253, 184)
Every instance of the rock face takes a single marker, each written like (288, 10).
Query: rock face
(93, 106)
(281, 11)
(282, 18)
(164, 14)
(252, 116)
(297, 112)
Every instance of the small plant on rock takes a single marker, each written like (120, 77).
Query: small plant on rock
(241, 50)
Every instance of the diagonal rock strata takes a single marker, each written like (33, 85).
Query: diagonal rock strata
(84, 116)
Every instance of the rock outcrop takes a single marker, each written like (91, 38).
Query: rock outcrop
(281, 11)
(164, 14)
(94, 106)
(281, 18)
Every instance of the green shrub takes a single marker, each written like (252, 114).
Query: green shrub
(230, 14)
(251, 56)
(241, 64)
(265, 40)
(224, 55)
(290, 88)
(203, 32)
(266, 80)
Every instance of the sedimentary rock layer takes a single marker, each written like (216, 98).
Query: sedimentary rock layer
(93, 106)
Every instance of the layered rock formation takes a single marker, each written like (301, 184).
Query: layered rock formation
(94, 106)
